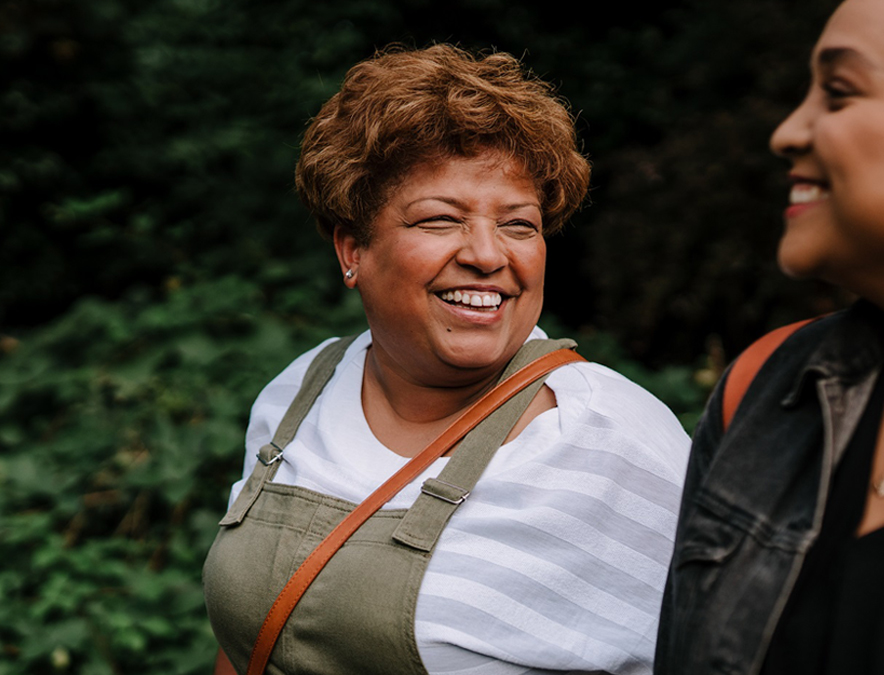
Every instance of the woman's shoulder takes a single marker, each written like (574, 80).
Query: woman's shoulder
(599, 406)
(293, 374)
(275, 398)
(787, 349)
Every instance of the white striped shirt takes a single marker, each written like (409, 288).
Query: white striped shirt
(556, 562)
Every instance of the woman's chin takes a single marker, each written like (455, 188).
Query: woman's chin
(796, 261)
(475, 360)
(477, 352)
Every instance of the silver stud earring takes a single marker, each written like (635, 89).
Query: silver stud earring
(349, 275)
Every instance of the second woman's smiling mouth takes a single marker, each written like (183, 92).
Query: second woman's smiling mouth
(805, 194)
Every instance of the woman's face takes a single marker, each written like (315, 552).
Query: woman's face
(452, 278)
(835, 141)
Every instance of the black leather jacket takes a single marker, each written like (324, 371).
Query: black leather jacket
(754, 498)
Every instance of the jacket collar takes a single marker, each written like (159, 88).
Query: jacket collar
(850, 349)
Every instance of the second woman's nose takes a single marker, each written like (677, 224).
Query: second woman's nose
(793, 136)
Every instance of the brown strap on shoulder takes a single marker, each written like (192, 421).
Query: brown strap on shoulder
(747, 365)
(310, 568)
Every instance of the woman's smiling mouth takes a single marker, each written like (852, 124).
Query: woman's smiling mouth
(805, 194)
(472, 299)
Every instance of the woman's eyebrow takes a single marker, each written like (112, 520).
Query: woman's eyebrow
(831, 57)
(454, 201)
(451, 201)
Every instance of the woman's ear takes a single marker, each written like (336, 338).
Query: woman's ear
(349, 253)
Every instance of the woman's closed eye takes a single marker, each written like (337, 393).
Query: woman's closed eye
(437, 222)
(520, 228)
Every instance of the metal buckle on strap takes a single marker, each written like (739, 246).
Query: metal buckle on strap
(272, 460)
(437, 488)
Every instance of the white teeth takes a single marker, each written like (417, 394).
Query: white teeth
(804, 193)
(473, 298)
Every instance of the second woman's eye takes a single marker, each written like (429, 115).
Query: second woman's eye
(837, 92)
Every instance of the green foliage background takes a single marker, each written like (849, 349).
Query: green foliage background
(156, 271)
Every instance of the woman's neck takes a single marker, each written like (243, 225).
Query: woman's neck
(405, 414)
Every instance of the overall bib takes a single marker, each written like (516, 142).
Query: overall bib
(358, 615)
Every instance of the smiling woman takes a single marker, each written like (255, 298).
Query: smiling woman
(466, 226)
(540, 542)
(777, 563)
(835, 140)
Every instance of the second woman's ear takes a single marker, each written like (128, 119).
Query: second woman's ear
(348, 251)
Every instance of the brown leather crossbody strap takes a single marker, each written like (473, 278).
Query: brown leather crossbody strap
(747, 365)
(310, 568)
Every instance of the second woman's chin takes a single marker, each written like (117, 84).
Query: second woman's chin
(805, 247)
(793, 265)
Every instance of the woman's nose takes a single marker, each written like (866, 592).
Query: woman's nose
(482, 250)
(793, 135)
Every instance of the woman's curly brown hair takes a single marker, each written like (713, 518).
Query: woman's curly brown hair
(402, 107)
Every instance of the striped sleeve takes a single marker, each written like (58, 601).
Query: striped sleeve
(556, 563)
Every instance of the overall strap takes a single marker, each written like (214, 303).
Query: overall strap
(440, 497)
(747, 365)
(313, 564)
(318, 374)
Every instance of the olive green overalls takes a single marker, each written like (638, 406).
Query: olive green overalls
(358, 615)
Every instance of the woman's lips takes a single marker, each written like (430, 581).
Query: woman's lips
(472, 299)
(805, 195)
